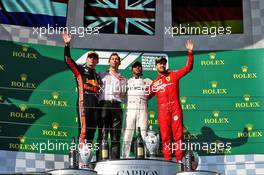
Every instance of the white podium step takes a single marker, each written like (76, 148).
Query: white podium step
(137, 167)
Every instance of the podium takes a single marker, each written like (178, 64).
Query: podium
(69, 171)
(137, 167)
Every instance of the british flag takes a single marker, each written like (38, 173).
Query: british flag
(121, 16)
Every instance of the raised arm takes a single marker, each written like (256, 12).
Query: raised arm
(188, 67)
(67, 54)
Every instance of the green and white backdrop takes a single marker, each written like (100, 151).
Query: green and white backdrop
(220, 97)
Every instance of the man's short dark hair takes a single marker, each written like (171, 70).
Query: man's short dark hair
(114, 54)
(160, 59)
(137, 63)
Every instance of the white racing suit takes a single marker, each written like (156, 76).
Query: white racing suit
(137, 111)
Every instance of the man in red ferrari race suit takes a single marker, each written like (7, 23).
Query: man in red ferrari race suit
(170, 117)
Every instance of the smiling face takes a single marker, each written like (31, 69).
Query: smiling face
(137, 70)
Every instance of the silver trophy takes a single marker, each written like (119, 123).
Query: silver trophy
(193, 163)
(86, 155)
(152, 141)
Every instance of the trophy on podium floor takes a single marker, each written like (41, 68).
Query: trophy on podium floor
(86, 155)
(152, 141)
(190, 158)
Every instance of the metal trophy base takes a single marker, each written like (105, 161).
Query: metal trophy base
(200, 172)
(137, 166)
(69, 171)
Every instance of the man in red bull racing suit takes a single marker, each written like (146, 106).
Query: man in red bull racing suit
(170, 117)
(88, 91)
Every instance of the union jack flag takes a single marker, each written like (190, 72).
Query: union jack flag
(121, 16)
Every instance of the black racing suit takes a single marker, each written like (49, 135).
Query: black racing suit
(88, 106)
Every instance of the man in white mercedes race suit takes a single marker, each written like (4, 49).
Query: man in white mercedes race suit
(137, 110)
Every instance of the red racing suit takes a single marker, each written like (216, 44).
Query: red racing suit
(170, 117)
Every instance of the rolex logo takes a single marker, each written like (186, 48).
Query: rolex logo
(23, 107)
(188, 106)
(24, 53)
(25, 47)
(55, 95)
(212, 61)
(23, 77)
(212, 56)
(22, 139)
(246, 97)
(23, 83)
(249, 127)
(151, 114)
(55, 125)
(214, 90)
(216, 113)
(216, 119)
(214, 84)
(55, 101)
(248, 103)
(183, 99)
(250, 133)
(245, 74)
(244, 69)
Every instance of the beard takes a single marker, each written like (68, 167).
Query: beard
(162, 71)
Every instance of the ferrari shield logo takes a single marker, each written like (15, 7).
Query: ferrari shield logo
(168, 78)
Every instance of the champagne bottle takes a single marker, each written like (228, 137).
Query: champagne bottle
(104, 146)
(189, 158)
(140, 146)
(73, 155)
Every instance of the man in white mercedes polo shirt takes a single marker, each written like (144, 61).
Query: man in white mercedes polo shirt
(137, 110)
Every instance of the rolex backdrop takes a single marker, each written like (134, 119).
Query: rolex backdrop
(222, 98)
